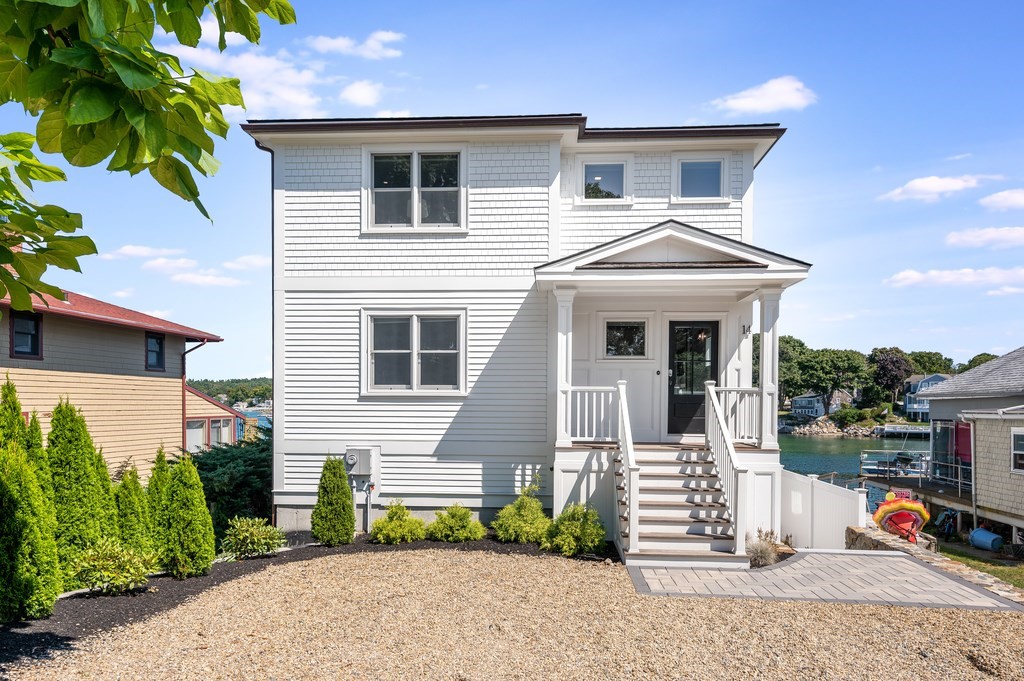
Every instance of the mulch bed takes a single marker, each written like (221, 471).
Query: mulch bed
(84, 615)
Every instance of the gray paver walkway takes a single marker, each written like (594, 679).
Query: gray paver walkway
(882, 578)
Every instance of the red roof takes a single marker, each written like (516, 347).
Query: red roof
(84, 307)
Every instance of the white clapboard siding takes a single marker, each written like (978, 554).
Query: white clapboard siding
(586, 226)
(506, 371)
(508, 197)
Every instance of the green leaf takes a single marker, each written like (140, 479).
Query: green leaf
(13, 78)
(47, 78)
(94, 15)
(134, 75)
(186, 27)
(88, 145)
(238, 18)
(59, 3)
(219, 89)
(281, 10)
(90, 103)
(42, 172)
(175, 176)
(80, 56)
(17, 140)
(49, 128)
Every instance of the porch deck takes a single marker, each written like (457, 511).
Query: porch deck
(930, 492)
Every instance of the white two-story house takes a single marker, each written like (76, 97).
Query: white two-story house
(461, 304)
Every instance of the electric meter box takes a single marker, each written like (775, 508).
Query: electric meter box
(358, 460)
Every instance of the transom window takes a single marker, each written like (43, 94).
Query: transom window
(416, 190)
(604, 180)
(155, 352)
(416, 352)
(698, 177)
(625, 338)
(26, 335)
(1017, 450)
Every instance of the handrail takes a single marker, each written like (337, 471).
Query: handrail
(592, 415)
(741, 408)
(734, 477)
(632, 473)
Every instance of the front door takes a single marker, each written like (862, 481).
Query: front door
(692, 359)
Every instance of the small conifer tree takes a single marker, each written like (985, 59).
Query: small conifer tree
(104, 493)
(334, 520)
(72, 461)
(133, 513)
(30, 578)
(12, 421)
(156, 499)
(189, 548)
(37, 456)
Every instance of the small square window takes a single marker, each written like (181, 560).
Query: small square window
(1017, 450)
(604, 180)
(625, 339)
(26, 335)
(700, 179)
(155, 352)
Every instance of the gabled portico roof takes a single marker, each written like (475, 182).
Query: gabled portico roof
(672, 251)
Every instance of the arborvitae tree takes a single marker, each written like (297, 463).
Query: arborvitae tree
(189, 548)
(37, 456)
(72, 460)
(30, 579)
(133, 512)
(334, 519)
(156, 499)
(104, 493)
(12, 421)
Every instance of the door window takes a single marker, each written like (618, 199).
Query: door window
(691, 361)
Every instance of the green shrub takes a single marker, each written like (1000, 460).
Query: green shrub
(576, 530)
(523, 521)
(76, 500)
(397, 526)
(37, 456)
(12, 422)
(189, 548)
(30, 578)
(110, 568)
(237, 479)
(251, 537)
(334, 520)
(105, 495)
(156, 500)
(845, 416)
(133, 513)
(455, 524)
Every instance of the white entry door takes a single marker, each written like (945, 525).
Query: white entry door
(627, 350)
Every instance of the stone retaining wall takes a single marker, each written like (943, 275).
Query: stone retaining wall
(874, 539)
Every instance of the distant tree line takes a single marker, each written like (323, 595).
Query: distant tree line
(879, 375)
(248, 390)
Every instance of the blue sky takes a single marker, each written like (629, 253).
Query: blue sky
(901, 177)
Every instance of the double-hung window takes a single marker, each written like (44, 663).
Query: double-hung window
(155, 357)
(417, 190)
(415, 352)
(699, 178)
(26, 335)
(1017, 450)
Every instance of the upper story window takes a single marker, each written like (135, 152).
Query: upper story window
(1017, 450)
(699, 178)
(416, 190)
(604, 179)
(26, 335)
(155, 356)
(415, 352)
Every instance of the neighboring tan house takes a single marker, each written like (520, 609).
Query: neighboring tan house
(978, 432)
(209, 422)
(123, 369)
(462, 304)
(916, 408)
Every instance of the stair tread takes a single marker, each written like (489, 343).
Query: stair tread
(684, 521)
(679, 504)
(684, 537)
(694, 554)
(670, 490)
(667, 462)
(701, 476)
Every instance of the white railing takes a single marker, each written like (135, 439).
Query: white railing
(631, 473)
(734, 477)
(742, 410)
(593, 414)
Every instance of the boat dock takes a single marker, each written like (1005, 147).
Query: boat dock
(901, 430)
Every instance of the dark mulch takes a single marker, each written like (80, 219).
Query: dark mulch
(84, 615)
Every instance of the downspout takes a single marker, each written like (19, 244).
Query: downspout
(974, 470)
(184, 417)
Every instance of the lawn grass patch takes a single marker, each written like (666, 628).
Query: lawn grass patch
(1010, 574)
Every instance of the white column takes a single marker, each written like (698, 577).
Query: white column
(769, 300)
(563, 365)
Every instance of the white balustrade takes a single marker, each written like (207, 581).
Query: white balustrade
(734, 477)
(741, 408)
(593, 414)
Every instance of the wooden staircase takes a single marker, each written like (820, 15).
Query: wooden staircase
(683, 519)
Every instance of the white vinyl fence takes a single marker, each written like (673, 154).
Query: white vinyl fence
(817, 513)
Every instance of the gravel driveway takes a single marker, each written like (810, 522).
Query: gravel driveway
(438, 614)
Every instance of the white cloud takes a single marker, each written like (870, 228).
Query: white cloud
(843, 317)
(133, 251)
(124, 293)
(1006, 291)
(993, 237)
(162, 314)
(1006, 200)
(205, 278)
(989, 276)
(248, 262)
(389, 113)
(169, 265)
(362, 93)
(930, 189)
(958, 157)
(374, 47)
(778, 94)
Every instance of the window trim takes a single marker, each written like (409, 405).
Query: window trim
(366, 387)
(680, 157)
(163, 351)
(583, 160)
(208, 429)
(366, 207)
(1013, 468)
(38, 319)
(602, 336)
